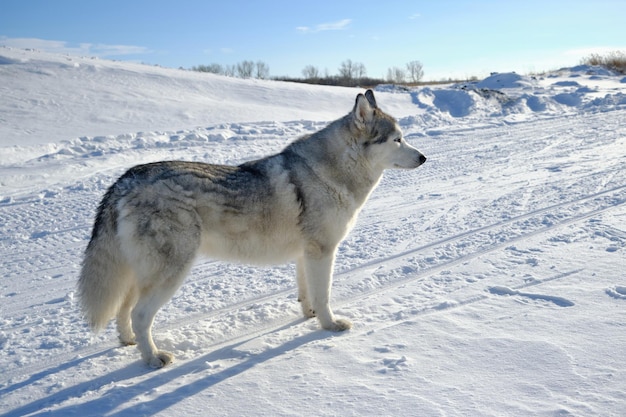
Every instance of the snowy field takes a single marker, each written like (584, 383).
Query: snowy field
(488, 282)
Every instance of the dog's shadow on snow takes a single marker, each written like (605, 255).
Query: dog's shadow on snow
(119, 394)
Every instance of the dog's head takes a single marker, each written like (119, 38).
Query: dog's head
(380, 137)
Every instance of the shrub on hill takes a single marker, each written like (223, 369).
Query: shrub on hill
(615, 61)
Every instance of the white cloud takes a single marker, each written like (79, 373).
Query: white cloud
(415, 16)
(322, 27)
(99, 49)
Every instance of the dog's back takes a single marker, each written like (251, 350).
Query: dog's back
(164, 213)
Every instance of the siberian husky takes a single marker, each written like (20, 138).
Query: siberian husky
(296, 205)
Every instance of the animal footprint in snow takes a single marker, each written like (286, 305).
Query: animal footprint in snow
(394, 364)
(391, 363)
(617, 292)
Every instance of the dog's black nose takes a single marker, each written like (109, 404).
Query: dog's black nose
(422, 159)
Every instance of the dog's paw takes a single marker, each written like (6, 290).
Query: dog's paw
(160, 360)
(306, 309)
(339, 325)
(308, 312)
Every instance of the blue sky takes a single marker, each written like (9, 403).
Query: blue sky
(451, 38)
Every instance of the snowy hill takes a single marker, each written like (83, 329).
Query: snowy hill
(69, 96)
(488, 282)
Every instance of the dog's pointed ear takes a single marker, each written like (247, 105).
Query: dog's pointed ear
(369, 95)
(363, 111)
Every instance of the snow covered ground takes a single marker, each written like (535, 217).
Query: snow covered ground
(489, 282)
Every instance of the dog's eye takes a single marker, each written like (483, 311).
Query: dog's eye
(398, 140)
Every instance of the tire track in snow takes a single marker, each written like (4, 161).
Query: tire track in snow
(384, 216)
(411, 314)
(473, 232)
(346, 302)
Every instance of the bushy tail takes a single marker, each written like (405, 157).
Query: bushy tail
(105, 276)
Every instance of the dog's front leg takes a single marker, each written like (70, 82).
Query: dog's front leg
(318, 272)
(303, 292)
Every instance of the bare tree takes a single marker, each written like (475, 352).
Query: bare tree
(352, 70)
(396, 75)
(346, 70)
(245, 69)
(311, 72)
(230, 70)
(359, 71)
(416, 71)
(262, 70)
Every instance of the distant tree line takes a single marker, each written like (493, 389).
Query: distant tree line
(243, 69)
(350, 74)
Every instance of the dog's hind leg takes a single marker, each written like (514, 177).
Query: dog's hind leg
(318, 271)
(157, 291)
(160, 249)
(303, 296)
(124, 326)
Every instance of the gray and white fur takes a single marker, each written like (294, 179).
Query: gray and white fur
(295, 205)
